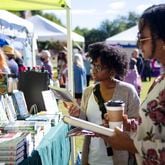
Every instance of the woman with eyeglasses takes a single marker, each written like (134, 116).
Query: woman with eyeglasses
(108, 62)
(149, 141)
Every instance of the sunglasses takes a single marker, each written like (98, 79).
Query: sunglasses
(141, 40)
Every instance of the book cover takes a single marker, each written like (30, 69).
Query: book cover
(3, 116)
(63, 94)
(88, 125)
(50, 102)
(19, 103)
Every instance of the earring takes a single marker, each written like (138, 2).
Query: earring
(111, 76)
(163, 47)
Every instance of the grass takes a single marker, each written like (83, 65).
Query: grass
(79, 139)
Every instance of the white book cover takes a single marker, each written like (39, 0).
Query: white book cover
(3, 116)
(50, 102)
(77, 122)
(10, 113)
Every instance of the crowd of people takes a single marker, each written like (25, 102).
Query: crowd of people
(143, 133)
(114, 77)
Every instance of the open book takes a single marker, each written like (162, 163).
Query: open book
(63, 94)
(86, 125)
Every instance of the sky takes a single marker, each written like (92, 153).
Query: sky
(90, 13)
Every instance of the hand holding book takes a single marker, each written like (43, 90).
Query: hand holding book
(62, 94)
(73, 110)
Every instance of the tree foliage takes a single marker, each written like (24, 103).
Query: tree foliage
(108, 28)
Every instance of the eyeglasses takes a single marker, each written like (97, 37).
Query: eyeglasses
(98, 68)
(141, 40)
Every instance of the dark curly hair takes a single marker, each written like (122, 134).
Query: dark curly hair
(111, 56)
(154, 18)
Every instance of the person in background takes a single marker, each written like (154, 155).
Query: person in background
(88, 67)
(148, 142)
(62, 69)
(108, 61)
(13, 66)
(46, 63)
(146, 75)
(3, 63)
(79, 77)
(133, 76)
(10, 54)
(19, 61)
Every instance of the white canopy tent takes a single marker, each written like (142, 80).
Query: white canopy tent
(46, 30)
(17, 32)
(15, 26)
(127, 37)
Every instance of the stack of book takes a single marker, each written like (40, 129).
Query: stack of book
(37, 129)
(12, 148)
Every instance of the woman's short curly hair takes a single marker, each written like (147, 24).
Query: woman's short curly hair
(111, 56)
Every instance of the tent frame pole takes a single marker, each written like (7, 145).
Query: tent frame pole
(70, 72)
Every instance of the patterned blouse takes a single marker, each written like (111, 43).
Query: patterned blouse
(150, 137)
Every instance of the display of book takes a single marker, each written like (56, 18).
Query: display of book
(13, 147)
(25, 126)
(88, 125)
(13, 143)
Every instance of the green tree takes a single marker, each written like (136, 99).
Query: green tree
(108, 28)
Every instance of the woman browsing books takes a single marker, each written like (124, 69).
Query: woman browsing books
(149, 141)
(108, 62)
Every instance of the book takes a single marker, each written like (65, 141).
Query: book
(77, 122)
(20, 104)
(11, 157)
(13, 144)
(16, 162)
(63, 94)
(20, 125)
(12, 152)
(50, 102)
(78, 132)
(3, 116)
(7, 104)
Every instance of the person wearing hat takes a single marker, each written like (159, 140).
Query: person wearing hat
(46, 64)
(13, 66)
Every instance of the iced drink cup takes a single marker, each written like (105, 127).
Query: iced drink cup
(115, 110)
